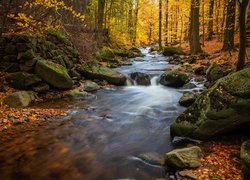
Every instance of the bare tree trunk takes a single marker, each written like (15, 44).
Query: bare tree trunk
(242, 23)
(203, 23)
(100, 15)
(160, 24)
(228, 43)
(210, 22)
(136, 21)
(166, 24)
(194, 38)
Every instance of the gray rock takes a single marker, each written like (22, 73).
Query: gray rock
(54, 74)
(90, 86)
(141, 78)
(170, 51)
(20, 99)
(187, 99)
(174, 78)
(184, 158)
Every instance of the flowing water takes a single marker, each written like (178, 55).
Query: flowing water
(100, 138)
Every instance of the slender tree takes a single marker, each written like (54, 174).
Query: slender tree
(228, 43)
(166, 24)
(210, 21)
(194, 38)
(160, 24)
(242, 23)
(100, 18)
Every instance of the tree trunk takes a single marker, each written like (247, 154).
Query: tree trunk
(160, 24)
(166, 25)
(228, 43)
(210, 22)
(136, 21)
(100, 18)
(194, 38)
(242, 25)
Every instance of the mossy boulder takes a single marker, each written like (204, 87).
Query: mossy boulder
(184, 158)
(170, 51)
(10, 49)
(54, 74)
(20, 99)
(221, 109)
(92, 70)
(141, 78)
(174, 78)
(215, 72)
(22, 80)
(245, 156)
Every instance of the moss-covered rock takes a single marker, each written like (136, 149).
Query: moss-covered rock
(222, 108)
(184, 158)
(245, 156)
(54, 74)
(10, 49)
(141, 78)
(20, 99)
(94, 71)
(174, 78)
(22, 80)
(187, 99)
(170, 51)
(215, 72)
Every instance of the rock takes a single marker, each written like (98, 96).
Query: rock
(134, 52)
(28, 65)
(187, 99)
(90, 86)
(170, 51)
(175, 59)
(76, 94)
(10, 49)
(188, 174)
(189, 86)
(215, 72)
(200, 70)
(54, 74)
(245, 156)
(184, 158)
(20, 99)
(141, 78)
(41, 88)
(95, 71)
(22, 80)
(10, 58)
(152, 158)
(222, 108)
(174, 78)
(30, 54)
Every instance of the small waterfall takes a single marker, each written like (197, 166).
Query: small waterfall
(154, 81)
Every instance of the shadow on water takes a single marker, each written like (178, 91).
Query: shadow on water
(98, 137)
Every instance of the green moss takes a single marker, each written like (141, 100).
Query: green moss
(183, 128)
(30, 54)
(59, 34)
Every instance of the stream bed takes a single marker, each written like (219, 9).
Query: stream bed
(100, 138)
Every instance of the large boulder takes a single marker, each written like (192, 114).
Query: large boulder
(141, 78)
(54, 74)
(222, 108)
(22, 80)
(20, 99)
(170, 51)
(245, 156)
(215, 72)
(184, 158)
(94, 71)
(174, 78)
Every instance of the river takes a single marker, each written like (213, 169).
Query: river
(102, 137)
